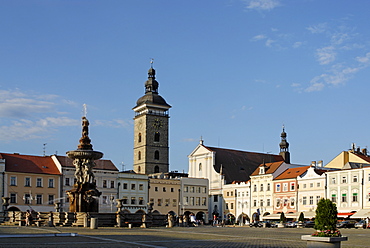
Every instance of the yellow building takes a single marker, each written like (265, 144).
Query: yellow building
(355, 155)
(31, 182)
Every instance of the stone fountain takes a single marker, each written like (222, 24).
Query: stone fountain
(84, 197)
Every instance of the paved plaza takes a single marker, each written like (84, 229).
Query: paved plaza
(202, 236)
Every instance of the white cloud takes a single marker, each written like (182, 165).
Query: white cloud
(317, 29)
(364, 59)
(269, 42)
(262, 4)
(326, 55)
(259, 37)
(297, 44)
(295, 85)
(117, 123)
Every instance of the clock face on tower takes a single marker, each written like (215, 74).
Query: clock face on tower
(157, 124)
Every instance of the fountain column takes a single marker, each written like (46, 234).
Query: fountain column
(84, 197)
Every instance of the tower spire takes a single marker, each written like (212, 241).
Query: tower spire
(284, 146)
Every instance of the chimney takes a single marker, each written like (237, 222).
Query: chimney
(320, 163)
(313, 163)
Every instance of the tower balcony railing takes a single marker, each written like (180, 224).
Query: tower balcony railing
(152, 112)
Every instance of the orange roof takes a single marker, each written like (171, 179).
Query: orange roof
(101, 164)
(292, 172)
(29, 164)
(270, 168)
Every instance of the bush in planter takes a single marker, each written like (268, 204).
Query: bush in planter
(326, 219)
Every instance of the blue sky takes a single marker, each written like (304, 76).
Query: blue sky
(234, 72)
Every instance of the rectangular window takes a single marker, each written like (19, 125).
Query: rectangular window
(186, 189)
(39, 182)
(51, 183)
(277, 187)
(133, 186)
(141, 201)
(27, 182)
(227, 193)
(311, 185)
(311, 200)
(125, 186)
(354, 197)
(198, 189)
(318, 185)
(105, 199)
(104, 183)
(197, 201)
(232, 205)
(285, 187)
(333, 180)
(355, 179)
(112, 184)
(204, 201)
(292, 187)
(13, 198)
(38, 199)
(155, 188)
(231, 193)
(125, 200)
(261, 202)
(304, 186)
(51, 199)
(186, 200)
(215, 198)
(344, 197)
(167, 202)
(27, 199)
(133, 201)
(204, 190)
(159, 201)
(164, 189)
(141, 186)
(172, 190)
(191, 189)
(344, 179)
(268, 202)
(304, 200)
(334, 198)
(174, 202)
(261, 188)
(268, 187)
(67, 181)
(278, 203)
(191, 201)
(318, 199)
(13, 181)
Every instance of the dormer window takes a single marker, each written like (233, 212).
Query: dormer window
(262, 170)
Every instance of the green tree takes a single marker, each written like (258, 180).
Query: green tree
(301, 217)
(282, 217)
(326, 215)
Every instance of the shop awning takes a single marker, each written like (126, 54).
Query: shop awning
(361, 214)
(309, 214)
(346, 214)
(271, 217)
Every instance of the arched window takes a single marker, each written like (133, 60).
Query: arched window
(156, 155)
(139, 155)
(139, 169)
(156, 136)
(139, 138)
(200, 166)
(261, 187)
(156, 169)
(268, 187)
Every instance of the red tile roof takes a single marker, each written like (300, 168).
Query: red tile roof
(29, 164)
(270, 168)
(293, 172)
(101, 164)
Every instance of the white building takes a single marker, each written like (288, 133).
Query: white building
(133, 190)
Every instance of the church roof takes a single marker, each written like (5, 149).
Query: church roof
(101, 164)
(29, 164)
(239, 165)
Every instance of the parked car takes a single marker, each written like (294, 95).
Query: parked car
(291, 224)
(346, 224)
(256, 224)
(309, 224)
(360, 224)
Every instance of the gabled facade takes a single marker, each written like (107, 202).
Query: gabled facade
(355, 155)
(311, 189)
(262, 189)
(286, 191)
(31, 182)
